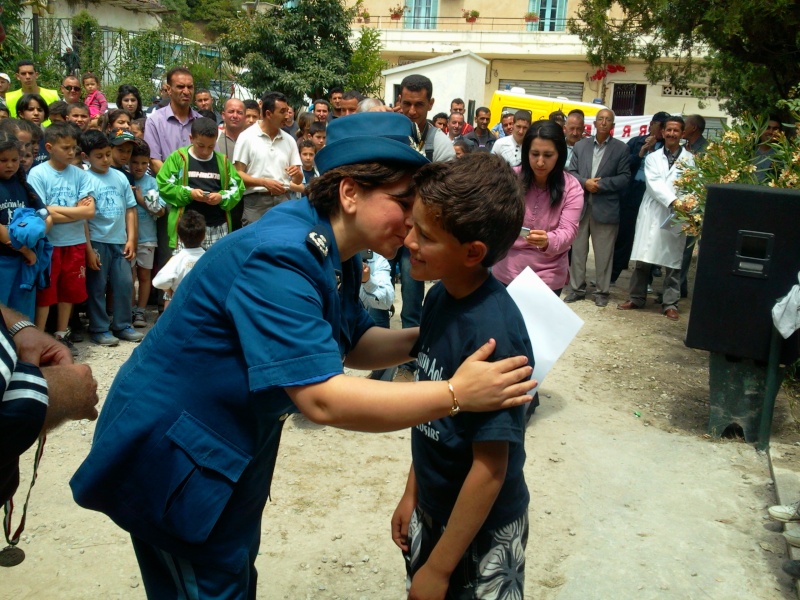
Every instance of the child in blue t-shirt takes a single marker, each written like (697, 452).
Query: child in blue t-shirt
(113, 237)
(149, 207)
(15, 290)
(466, 495)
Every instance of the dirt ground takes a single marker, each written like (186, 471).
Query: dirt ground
(629, 496)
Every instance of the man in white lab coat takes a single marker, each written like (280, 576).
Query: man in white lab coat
(652, 244)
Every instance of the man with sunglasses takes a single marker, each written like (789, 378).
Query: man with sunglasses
(71, 90)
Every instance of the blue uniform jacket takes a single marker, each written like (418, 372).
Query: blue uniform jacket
(186, 443)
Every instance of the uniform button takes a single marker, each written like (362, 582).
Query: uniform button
(283, 417)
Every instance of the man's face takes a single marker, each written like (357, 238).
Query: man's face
(482, 121)
(440, 123)
(289, 117)
(27, 76)
(348, 107)
(181, 90)
(771, 132)
(457, 108)
(251, 116)
(604, 122)
(336, 99)
(204, 101)
(276, 117)
(4, 85)
(233, 115)
(415, 105)
(520, 129)
(508, 124)
(455, 125)
(321, 112)
(673, 132)
(573, 129)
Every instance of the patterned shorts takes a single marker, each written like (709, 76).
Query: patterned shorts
(492, 568)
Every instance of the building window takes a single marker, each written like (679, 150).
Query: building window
(421, 14)
(628, 99)
(552, 15)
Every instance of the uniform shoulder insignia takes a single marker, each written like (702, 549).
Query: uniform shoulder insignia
(317, 240)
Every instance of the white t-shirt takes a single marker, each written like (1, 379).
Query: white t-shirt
(171, 275)
(265, 156)
(509, 150)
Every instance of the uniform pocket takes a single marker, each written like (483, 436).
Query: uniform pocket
(203, 470)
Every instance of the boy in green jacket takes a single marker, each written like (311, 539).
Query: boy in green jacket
(198, 178)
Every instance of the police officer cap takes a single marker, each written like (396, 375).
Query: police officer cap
(369, 137)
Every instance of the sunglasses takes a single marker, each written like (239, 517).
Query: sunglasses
(72, 88)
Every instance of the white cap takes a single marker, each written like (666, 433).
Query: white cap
(5, 76)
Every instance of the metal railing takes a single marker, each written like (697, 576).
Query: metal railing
(496, 24)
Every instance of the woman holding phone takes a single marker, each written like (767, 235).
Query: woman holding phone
(553, 205)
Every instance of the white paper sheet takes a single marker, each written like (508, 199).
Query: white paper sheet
(551, 324)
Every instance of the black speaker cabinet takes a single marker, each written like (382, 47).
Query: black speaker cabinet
(749, 257)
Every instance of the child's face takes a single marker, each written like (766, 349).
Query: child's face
(79, 117)
(459, 151)
(319, 140)
(203, 146)
(78, 160)
(251, 116)
(121, 122)
(100, 159)
(33, 112)
(307, 158)
(55, 117)
(9, 163)
(26, 160)
(121, 155)
(90, 85)
(435, 253)
(62, 152)
(139, 165)
(137, 131)
(3, 113)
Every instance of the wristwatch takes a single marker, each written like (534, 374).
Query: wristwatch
(19, 326)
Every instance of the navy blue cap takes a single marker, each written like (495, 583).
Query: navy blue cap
(369, 137)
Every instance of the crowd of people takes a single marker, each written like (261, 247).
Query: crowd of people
(271, 231)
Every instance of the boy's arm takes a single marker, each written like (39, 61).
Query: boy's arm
(475, 501)
(402, 514)
(170, 184)
(233, 194)
(70, 214)
(132, 230)
(92, 258)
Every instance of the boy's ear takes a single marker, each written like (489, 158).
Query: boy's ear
(48, 146)
(475, 253)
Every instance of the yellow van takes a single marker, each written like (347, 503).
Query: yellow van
(540, 107)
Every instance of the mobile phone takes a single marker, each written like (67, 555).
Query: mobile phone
(368, 255)
(524, 232)
(206, 193)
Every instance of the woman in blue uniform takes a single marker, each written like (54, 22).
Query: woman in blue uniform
(186, 443)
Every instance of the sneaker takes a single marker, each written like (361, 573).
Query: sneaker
(104, 339)
(785, 513)
(75, 336)
(574, 297)
(129, 334)
(792, 536)
(404, 376)
(65, 339)
(139, 319)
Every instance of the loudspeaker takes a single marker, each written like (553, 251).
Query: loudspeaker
(749, 257)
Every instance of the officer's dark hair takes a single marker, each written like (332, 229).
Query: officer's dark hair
(455, 193)
(268, 101)
(192, 229)
(204, 127)
(323, 191)
(417, 83)
(675, 119)
(140, 148)
(697, 121)
(93, 140)
(317, 126)
(61, 130)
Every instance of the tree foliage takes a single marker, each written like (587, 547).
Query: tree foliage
(747, 51)
(13, 47)
(300, 50)
(366, 63)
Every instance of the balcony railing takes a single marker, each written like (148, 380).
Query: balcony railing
(460, 24)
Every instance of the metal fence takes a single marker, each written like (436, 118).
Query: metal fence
(496, 24)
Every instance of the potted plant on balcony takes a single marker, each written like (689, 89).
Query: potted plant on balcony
(470, 15)
(531, 17)
(396, 12)
(364, 14)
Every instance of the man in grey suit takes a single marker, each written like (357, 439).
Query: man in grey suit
(602, 165)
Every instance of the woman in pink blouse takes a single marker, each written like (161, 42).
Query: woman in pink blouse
(553, 205)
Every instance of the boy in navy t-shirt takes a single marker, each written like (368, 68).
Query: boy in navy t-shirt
(466, 495)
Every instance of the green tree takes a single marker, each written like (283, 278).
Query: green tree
(747, 51)
(299, 50)
(366, 63)
(13, 47)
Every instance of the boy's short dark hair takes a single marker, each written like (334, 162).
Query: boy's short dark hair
(192, 229)
(140, 123)
(476, 198)
(93, 140)
(77, 106)
(306, 144)
(59, 107)
(61, 130)
(140, 148)
(317, 127)
(252, 105)
(204, 127)
(207, 114)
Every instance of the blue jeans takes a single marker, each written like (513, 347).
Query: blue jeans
(115, 271)
(412, 292)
